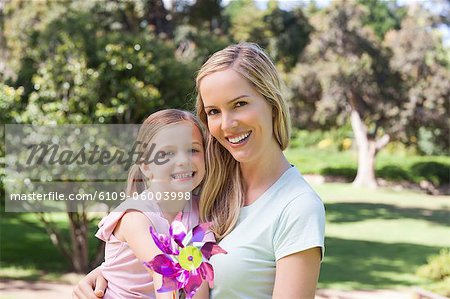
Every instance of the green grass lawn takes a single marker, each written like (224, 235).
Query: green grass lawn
(374, 239)
(26, 251)
(377, 238)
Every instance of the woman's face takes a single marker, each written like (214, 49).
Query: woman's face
(238, 116)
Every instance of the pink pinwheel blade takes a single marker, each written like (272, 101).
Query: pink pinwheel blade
(198, 232)
(192, 285)
(178, 232)
(169, 283)
(163, 242)
(207, 272)
(210, 248)
(163, 265)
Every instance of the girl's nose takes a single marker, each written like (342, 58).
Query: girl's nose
(183, 158)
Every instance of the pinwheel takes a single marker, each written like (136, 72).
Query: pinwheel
(184, 262)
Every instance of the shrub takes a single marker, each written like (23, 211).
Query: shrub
(438, 266)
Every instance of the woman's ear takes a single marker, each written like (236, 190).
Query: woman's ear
(146, 171)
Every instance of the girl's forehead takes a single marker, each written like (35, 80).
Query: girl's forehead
(178, 134)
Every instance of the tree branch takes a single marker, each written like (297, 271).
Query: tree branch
(55, 237)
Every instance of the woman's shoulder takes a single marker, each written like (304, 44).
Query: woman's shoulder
(294, 186)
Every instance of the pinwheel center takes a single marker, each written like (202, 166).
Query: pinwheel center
(190, 258)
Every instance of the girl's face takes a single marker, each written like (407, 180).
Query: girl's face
(180, 146)
(238, 116)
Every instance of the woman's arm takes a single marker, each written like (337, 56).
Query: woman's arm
(297, 275)
(92, 286)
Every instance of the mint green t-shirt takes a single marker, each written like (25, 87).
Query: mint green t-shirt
(287, 218)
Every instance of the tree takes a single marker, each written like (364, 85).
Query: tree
(84, 63)
(418, 54)
(284, 34)
(347, 75)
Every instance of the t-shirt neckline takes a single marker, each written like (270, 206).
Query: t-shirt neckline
(245, 210)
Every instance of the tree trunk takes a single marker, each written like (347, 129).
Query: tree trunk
(79, 240)
(368, 148)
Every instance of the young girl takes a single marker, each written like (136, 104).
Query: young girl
(157, 193)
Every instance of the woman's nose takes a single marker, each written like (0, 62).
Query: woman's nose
(228, 122)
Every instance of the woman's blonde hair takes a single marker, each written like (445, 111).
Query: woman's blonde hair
(222, 194)
(151, 126)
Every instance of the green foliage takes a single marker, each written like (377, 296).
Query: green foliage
(382, 16)
(429, 141)
(435, 172)
(94, 66)
(437, 270)
(308, 151)
(334, 139)
(284, 34)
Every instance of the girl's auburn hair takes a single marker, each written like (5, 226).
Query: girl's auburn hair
(223, 193)
(151, 126)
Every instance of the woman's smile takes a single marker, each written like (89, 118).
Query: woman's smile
(239, 139)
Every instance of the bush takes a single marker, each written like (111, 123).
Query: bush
(438, 270)
(335, 139)
(435, 172)
(438, 266)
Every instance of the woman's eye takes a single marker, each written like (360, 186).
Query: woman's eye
(241, 103)
(194, 150)
(212, 112)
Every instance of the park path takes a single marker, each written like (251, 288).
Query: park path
(19, 289)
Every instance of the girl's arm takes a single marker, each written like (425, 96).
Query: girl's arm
(134, 229)
(297, 275)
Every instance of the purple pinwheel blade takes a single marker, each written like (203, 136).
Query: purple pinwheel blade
(178, 232)
(210, 248)
(163, 242)
(169, 284)
(192, 285)
(163, 265)
(207, 272)
(183, 277)
(198, 232)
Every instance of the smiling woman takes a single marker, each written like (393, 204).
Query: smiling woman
(265, 215)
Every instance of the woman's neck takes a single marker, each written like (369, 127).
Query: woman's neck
(258, 176)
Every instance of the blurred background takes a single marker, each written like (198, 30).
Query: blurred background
(368, 85)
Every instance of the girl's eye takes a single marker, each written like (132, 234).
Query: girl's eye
(167, 154)
(212, 112)
(194, 150)
(241, 103)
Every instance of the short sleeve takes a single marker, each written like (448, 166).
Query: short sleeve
(108, 224)
(301, 226)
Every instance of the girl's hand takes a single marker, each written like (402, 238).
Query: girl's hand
(92, 286)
